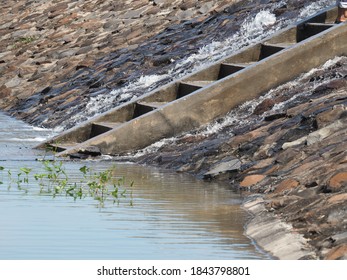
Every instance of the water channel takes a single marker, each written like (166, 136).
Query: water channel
(173, 216)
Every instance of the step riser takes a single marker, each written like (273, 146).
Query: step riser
(98, 129)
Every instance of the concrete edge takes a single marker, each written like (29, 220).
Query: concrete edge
(273, 235)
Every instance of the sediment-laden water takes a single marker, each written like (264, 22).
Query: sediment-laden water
(168, 216)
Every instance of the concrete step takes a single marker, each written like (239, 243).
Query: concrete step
(310, 29)
(143, 107)
(210, 93)
(102, 127)
(187, 87)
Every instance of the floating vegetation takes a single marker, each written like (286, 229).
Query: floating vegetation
(52, 179)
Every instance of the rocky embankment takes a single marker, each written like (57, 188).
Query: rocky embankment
(288, 152)
(55, 57)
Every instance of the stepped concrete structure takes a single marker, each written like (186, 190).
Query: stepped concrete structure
(206, 95)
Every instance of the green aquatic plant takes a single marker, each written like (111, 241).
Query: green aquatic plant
(26, 171)
(53, 179)
(9, 173)
(1, 178)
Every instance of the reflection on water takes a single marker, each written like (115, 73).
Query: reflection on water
(173, 217)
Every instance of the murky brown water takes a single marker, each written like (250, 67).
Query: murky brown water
(173, 216)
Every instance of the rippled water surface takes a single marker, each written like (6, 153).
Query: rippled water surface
(173, 216)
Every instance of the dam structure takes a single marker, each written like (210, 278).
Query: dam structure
(201, 97)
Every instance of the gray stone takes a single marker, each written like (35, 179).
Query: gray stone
(13, 82)
(133, 14)
(340, 238)
(223, 167)
(206, 8)
(325, 132)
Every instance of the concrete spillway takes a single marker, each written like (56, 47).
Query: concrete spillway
(203, 96)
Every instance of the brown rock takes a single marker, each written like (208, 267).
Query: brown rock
(262, 164)
(286, 184)
(264, 106)
(4, 91)
(327, 117)
(187, 5)
(250, 136)
(252, 180)
(153, 10)
(337, 182)
(282, 202)
(337, 253)
(338, 198)
(273, 169)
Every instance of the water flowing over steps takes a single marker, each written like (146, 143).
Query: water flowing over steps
(201, 97)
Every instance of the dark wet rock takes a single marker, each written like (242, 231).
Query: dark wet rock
(276, 116)
(79, 156)
(90, 151)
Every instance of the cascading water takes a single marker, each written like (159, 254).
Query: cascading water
(253, 29)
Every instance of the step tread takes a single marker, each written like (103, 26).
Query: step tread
(320, 24)
(281, 45)
(152, 104)
(108, 124)
(240, 64)
(201, 83)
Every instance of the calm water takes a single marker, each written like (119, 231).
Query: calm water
(173, 216)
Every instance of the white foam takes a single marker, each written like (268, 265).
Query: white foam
(154, 147)
(261, 20)
(315, 6)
